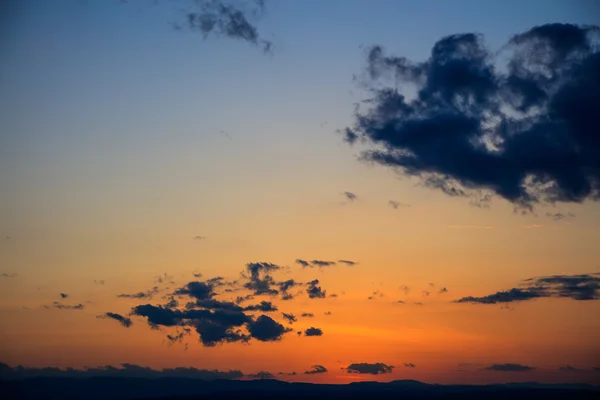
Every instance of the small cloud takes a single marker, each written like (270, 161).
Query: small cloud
(350, 196)
(558, 216)
(303, 263)
(396, 204)
(410, 365)
(314, 290)
(261, 375)
(316, 369)
(399, 302)
(197, 274)
(199, 237)
(140, 295)
(367, 368)
(509, 368)
(425, 293)
(99, 282)
(61, 306)
(290, 318)
(322, 263)
(348, 262)
(418, 303)
(327, 312)
(443, 290)
(8, 275)
(307, 315)
(63, 295)
(405, 289)
(313, 332)
(125, 321)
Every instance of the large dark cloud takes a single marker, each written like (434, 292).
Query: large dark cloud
(509, 368)
(123, 371)
(315, 291)
(367, 368)
(266, 329)
(526, 131)
(576, 287)
(312, 331)
(316, 369)
(125, 321)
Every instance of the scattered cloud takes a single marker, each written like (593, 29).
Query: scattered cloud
(266, 329)
(307, 315)
(316, 369)
(99, 281)
(8, 275)
(348, 262)
(260, 282)
(264, 306)
(410, 365)
(60, 306)
(125, 321)
(312, 331)
(122, 371)
(526, 133)
(443, 290)
(223, 18)
(290, 318)
(576, 287)
(509, 368)
(314, 290)
(367, 368)
(199, 237)
(140, 295)
(303, 263)
(322, 263)
(396, 204)
(558, 216)
(400, 302)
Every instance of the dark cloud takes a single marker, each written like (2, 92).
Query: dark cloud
(526, 133)
(123, 371)
(220, 18)
(213, 304)
(312, 331)
(348, 262)
(396, 204)
(509, 368)
(558, 216)
(350, 196)
(261, 375)
(163, 278)
(259, 279)
(314, 290)
(60, 306)
(197, 275)
(264, 306)
(367, 368)
(316, 369)
(375, 295)
(410, 365)
(568, 368)
(322, 263)
(63, 295)
(197, 289)
(8, 275)
(284, 286)
(266, 329)
(334, 295)
(241, 299)
(290, 318)
(303, 263)
(576, 287)
(287, 296)
(125, 321)
(307, 315)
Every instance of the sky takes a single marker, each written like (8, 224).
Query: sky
(143, 159)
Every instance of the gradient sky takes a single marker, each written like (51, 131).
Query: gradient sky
(113, 161)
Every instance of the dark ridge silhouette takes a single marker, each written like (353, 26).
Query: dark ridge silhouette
(188, 389)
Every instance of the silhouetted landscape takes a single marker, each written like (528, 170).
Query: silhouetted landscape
(188, 389)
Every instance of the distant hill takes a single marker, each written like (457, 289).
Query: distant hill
(189, 389)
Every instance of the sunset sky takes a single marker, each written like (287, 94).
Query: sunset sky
(139, 155)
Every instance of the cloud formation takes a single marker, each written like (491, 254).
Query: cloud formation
(125, 321)
(316, 369)
(367, 368)
(122, 371)
(576, 287)
(410, 365)
(312, 331)
(140, 295)
(61, 306)
(350, 196)
(525, 131)
(314, 290)
(225, 18)
(509, 368)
